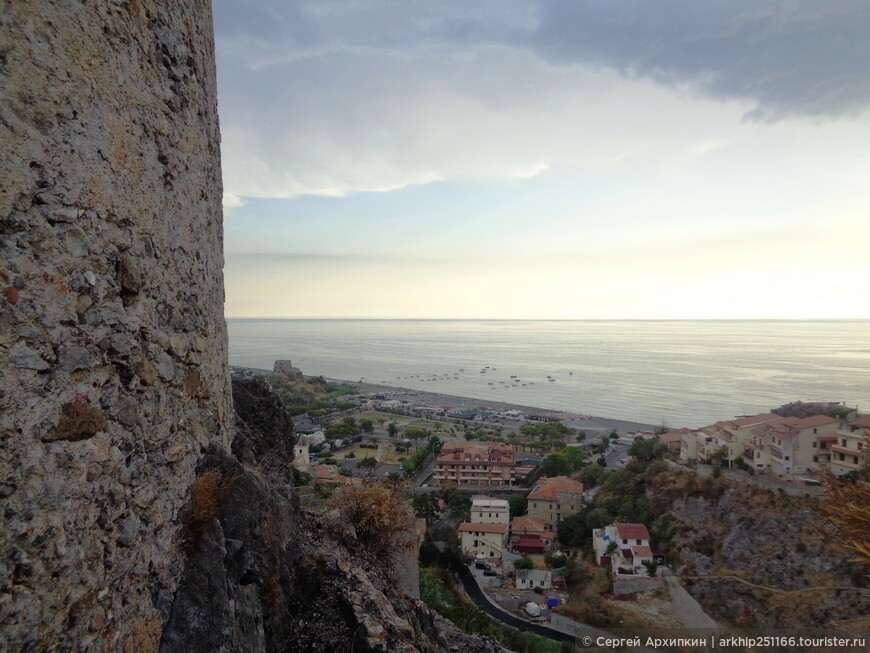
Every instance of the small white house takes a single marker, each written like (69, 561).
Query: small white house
(528, 579)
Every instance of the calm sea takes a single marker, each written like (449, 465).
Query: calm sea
(682, 373)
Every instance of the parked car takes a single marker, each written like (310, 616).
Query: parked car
(490, 572)
(481, 565)
(538, 590)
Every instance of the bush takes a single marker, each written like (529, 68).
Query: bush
(383, 522)
(555, 560)
(524, 563)
(207, 492)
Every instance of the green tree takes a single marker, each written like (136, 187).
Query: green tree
(427, 506)
(597, 518)
(574, 456)
(651, 567)
(367, 463)
(524, 563)
(592, 475)
(555, 560)
(428, 553)
(646, 450)
(556, 464)
(366, 425)
(392, 429)
(519, 505)
(573, 531)
(458, 502)
(416, 434)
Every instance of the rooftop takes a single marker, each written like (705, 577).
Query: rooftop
(754, 420)
(809, 422)
(632, 531)
(467, 527)
(534, 574)
(526, 524)
(548, 488)
(489, 502)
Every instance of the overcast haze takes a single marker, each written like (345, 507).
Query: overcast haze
(562, 159)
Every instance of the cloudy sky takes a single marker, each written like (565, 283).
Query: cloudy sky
(546, 159)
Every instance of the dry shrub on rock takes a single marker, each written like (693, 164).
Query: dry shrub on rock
(207, 492)
(381, 517)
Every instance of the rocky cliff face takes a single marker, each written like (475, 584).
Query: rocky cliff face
(768, 541)
(112, 338)
(264, 575)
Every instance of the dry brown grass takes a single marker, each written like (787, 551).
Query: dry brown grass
(846, 510)
(207, 493)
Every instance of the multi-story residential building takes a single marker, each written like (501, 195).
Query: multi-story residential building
(488, 540)
(475, 463)
(485, 510)
(849, 450)
(554, 499)
(732, 436)
(786, 446)
(790, 446)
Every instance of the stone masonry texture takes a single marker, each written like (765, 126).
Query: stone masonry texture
(112, 338)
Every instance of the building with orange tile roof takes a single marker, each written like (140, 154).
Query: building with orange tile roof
(554, 499)
(475, 464)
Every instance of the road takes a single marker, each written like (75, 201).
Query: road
(685, 608)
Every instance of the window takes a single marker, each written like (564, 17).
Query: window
(638, 541)
(815, 459)
(815, 431)
(844, 441)
(815, 444)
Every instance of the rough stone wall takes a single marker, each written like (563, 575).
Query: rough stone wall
(112, 338)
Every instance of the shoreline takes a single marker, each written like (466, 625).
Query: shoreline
(575, 420)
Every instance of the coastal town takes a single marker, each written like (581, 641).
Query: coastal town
(534, 517)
